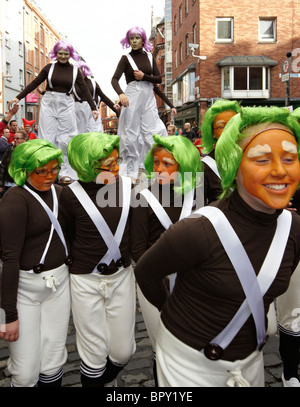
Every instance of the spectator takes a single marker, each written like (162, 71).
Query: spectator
(171, 129)
(36, 130)
(188, 132)
(4, 144)
(6, 181)
(4, 122)
(27, 127)
(13, 127)
(195, 129)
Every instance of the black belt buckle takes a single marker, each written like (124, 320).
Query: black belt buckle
(102, 268)
(38, 268)
(68, 261)
(120, 262)
(213, 351)
(260, 347)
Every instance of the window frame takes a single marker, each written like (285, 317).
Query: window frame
(274, 21)
(225, 40)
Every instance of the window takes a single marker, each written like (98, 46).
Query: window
(175, 24)
(180, 53)
(41, 34)
(27, 51)
(267, 29)
(177, 93)
(21, 77)
(36, 61)
(8, 71)
(224, 29)
(20, 49)
(187, 44)
(7, 39)
(42, 60)
(188, 86)
(176, 59)
(180, 15)
(245, 82)
(186, 7)
(28, 77)
(35, 29)
(195, 34)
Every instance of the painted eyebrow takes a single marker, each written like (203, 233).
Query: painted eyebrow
(259, 150)
(289, 147)
(169, 160)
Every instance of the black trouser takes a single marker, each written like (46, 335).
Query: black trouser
(111, 372)
(289, 349)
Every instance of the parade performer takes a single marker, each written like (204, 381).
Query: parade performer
(287, 310)
(174, 163)
(212, 327)
(35, 278)
(57, 122)
(139, 118)
(102, 280)
(84, 118)
(214, 122)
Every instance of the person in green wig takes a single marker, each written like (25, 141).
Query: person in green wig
(102, 281)
(232, 259)
(214, 122)
(174, 167)
(35, 292)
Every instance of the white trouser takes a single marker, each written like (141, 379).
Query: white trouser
(151, 316)
(103, 309)
(288, 306)
(82, 116)
(44, 312)
(95, 125)
(179, 365)
(57, 124)
(137, 124)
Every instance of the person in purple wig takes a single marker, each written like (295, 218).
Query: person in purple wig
(57, 121)
(84, 119)
(139, 118)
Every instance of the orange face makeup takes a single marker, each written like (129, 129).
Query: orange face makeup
(44, 183)
(270, 168)
(109, 169)
(220, 122)
(165, 167)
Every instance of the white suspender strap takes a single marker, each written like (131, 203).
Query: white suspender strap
(159, 211)
(94, 93)
(254, 287)
(212, 164)
(53, 219)
(75, 72)
(132, 63)
(50, 75)
(76, 94)
(164, 218)
(112, 242)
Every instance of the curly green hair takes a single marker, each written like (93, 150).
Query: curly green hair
(86, 149)
(186, 155)
(229, 153)
(220, 105)
(30, 155)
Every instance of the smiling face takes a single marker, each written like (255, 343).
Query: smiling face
(220, 122)
(165, 166)
(63, 56)
(43, 182)
(136, 42)
(269, 170)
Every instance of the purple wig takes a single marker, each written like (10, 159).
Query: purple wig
(140, 31)
(61, 44)
(84, 69)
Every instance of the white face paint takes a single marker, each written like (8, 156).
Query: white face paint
(289, 147)
(258, 151)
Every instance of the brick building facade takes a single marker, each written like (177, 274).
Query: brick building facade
(244, 44)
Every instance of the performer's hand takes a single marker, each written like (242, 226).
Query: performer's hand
(138, 75)
(118, 109)
(124, 100)
(289, 207)
(95, 114)
(13, 102)
(11, 331)
(174, 111)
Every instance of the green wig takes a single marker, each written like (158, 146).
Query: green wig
(229, 153)
(220, 105)
(85, 150)
(296, 113)
(31, 155)
(185, 154)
